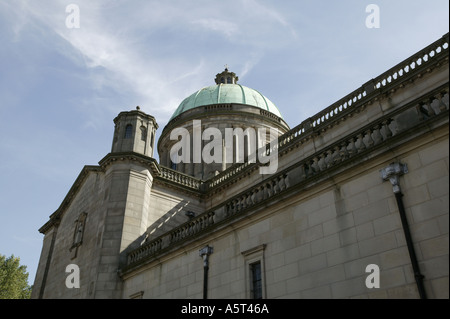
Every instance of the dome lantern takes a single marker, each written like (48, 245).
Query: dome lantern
(226, 77)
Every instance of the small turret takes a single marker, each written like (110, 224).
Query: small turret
(134, 132)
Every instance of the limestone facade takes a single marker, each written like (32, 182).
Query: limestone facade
(135, 227)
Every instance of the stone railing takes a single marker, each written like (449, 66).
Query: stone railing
(192, 227)
(229, 173)
(435, 51)
(257, 194)
(420, 60)
(429, 108)
(330, 115)
(145, 250)
(188, 229)
(180, 178)
(363, 141)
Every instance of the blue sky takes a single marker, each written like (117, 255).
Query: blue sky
(60, 88)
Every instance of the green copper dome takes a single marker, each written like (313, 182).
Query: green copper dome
(226, 92)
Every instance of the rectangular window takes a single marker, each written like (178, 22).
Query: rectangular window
(256, 284)
(128, 131)
(254, 272)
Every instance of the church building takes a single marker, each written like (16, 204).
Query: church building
(352, 202)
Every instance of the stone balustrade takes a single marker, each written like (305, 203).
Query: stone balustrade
(257, 194)
(192, 227)
(421, 61)
(360, 143)
(145, 250)
(180, 178)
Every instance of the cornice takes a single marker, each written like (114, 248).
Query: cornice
(57, 215)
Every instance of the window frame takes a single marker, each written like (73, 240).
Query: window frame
(128, 132)
(251, 257)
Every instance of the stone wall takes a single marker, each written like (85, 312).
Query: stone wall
(89, 200)
(319, 241)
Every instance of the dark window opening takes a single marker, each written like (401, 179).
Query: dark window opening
(143, 133)
(129, 131)
(256, 287)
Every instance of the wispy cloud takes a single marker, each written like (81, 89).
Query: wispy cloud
(113, 46)
(221, 26)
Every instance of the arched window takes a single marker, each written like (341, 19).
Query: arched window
(229, 80)
(129, 131)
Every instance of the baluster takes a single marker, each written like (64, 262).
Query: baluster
(431, 109)
(343, 153)
(336, 156)
(281, 183)
(253, 196)
(386, 129)
(442, 104)
(269, 189)
(422, 111)
(188, 230)
(314, 165)
(369, 138)
(286, 180)
(321, 163)
(209, 219)
(361, 146)
(376, 136)
(258, 193)
(352, 146)
(241, 203)
(303, 172)
(158, 244)
(182, 232)
(235, 206)
(329, 158)
(200, 224)
(248, 199)
(173, 236)
(276, 185)
(150, 249)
